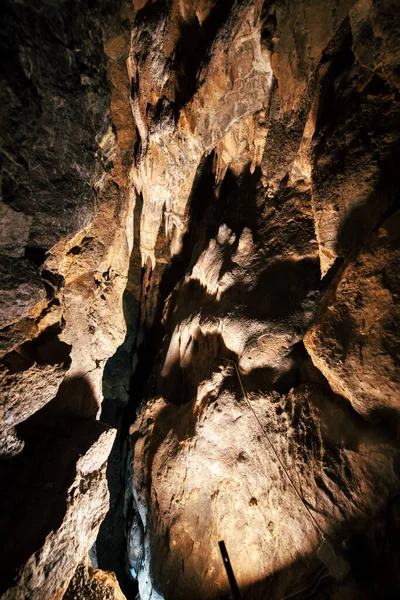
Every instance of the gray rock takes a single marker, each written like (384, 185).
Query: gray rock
(22, 292)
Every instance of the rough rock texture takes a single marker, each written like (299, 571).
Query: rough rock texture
(64, 188)
(355, 340)
(66, 235)
(54, 496)
(269, 174)
(214, 478)
(93, 584)
(357, 145)
(55, 106)
(233, 84)
(192, 190)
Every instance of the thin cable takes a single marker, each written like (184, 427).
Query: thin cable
(312, 587)
(274, 451)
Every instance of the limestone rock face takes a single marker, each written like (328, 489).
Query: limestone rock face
(233, 84)
(66, 215)
(66, 235)
(40, 381)
(355, 341)
(55, 104)
(93, 584)
(270, 178)
(199, 224)
(22, 293)
(352, 194)
(213, 477)
(60, 478)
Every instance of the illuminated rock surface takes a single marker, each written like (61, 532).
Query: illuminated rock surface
(185, 184)
(354, 341)
(93, 584)
(61, 491)
(290, 235)
(214, 478)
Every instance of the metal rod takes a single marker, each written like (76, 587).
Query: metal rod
(229, 571)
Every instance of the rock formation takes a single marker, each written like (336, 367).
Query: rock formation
(65, 243)
(199, 342)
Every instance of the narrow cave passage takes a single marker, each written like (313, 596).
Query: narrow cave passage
(199, 339)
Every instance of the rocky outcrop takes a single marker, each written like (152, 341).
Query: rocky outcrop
(54, 498)
(93, 584)
(63, 187)
(65, 245)
(354, 341)
(199, 241)
(234, 84)
(213, 477)
(354, 150)
(283, 233)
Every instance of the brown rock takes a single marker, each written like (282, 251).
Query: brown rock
(93, 584)
(60, 480)
(26, 391)
(375, 26)
(354, 173)
(236, 150)
(303, 155)
(94, 269)
(355, 341)
(65, 242)
(301, 35)
(14, 231)
(204, 472)
(233, 85)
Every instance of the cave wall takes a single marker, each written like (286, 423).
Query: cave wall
(280, 201)
(65, 245)
(200, 239)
